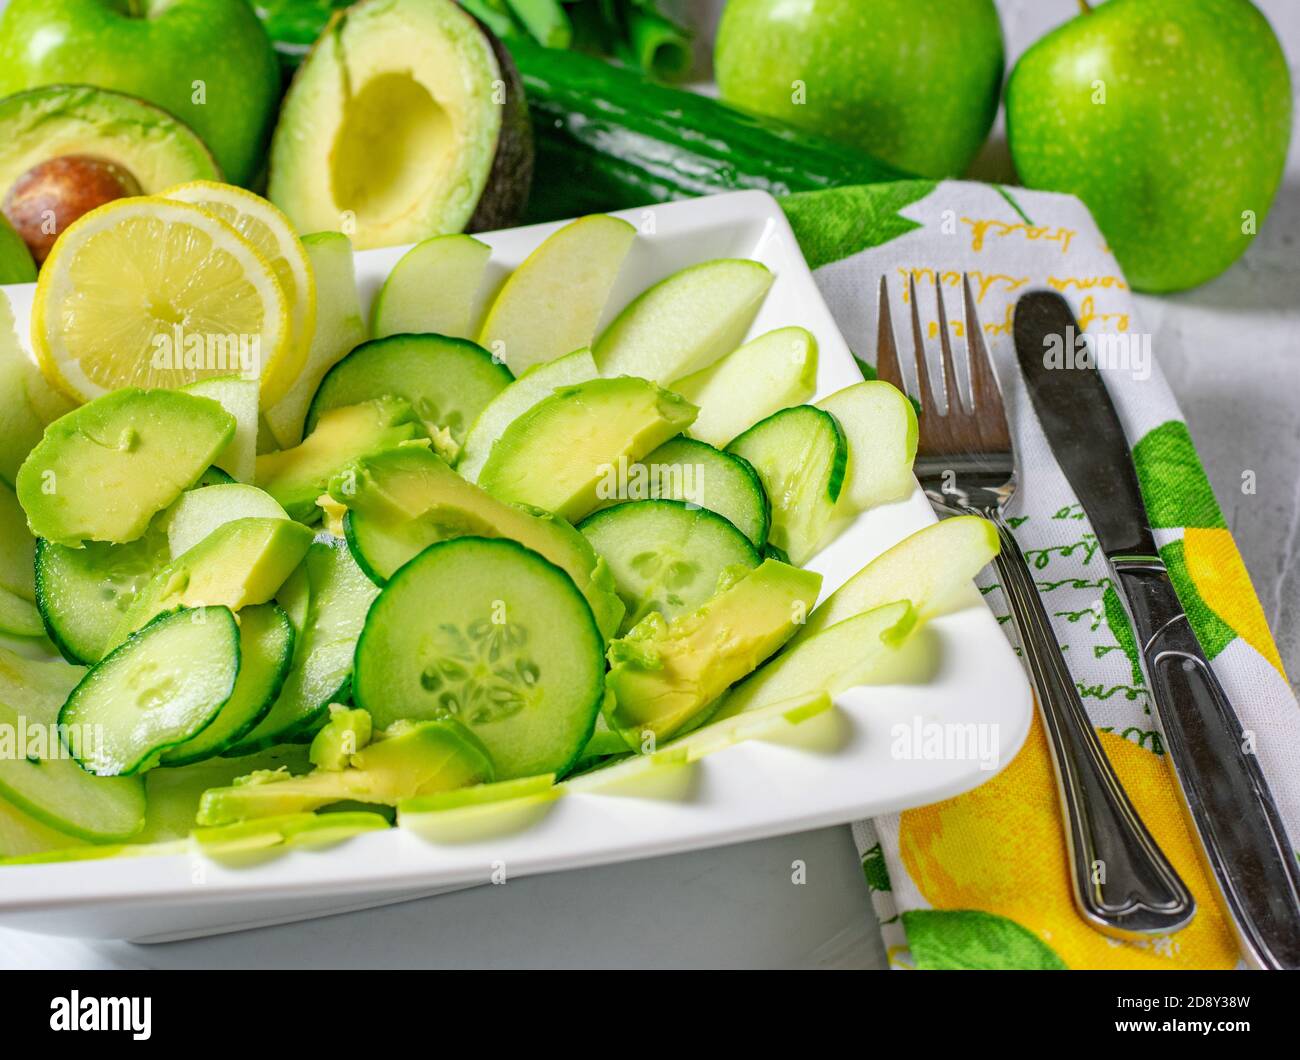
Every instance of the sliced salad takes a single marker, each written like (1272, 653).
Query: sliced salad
(478, 559)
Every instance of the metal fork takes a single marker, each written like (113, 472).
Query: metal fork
(1123, 884)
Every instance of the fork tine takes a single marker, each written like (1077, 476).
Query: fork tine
(951, 392)
(887, 366)
(925, 393)
(986, 395)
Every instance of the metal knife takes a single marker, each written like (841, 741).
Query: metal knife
(1241, 833)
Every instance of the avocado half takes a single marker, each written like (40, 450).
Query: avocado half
(62, 146)
(407, 120)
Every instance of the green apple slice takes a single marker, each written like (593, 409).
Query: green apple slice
(767, 374)
(287, 830)
(432, 289)
(23, 836)
(17, 548)
(930, 568)
(685, 323)
(540, 381)
(664, 773)
(832, 662)
(200, 511)
(561, 452)
(552, 303)
(27, 402)
(879, 423)
(36, 774)
(339, 328)
(481, 811)
(19, 617)
(239, 397)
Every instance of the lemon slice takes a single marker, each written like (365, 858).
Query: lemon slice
(153, 293)
(263, 225)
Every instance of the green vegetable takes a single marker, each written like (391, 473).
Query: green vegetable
(608, 138)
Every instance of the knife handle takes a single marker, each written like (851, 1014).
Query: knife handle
(1243, 839)
(1122, 883)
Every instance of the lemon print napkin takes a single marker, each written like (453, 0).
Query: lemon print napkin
(980, 881)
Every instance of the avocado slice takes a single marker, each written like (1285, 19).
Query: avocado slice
(408, 116)
(242, 562)
(103, 471)
(344, 735)
(405, 760)
(402, 501)
(565, 453)
(663, 674)
(296, 477)
(96, 139)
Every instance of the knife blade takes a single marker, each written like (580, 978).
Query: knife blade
(1242, 837)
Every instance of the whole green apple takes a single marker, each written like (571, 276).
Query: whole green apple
(912, 82)
(1170, 119)
(208, 62)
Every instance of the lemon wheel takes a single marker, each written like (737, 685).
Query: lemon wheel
(263, 225)
(153, 293)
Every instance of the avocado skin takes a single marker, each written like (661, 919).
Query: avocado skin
(505, 195)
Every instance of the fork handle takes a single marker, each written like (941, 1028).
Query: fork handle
(1123, 884)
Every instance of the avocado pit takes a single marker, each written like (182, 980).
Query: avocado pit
(50, 196)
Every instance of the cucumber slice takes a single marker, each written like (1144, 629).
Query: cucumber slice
(800, 455)
(540, 381)
(929, 568)
(265, 653)
(432, 289)
(156, 690)
(17, 547)
(552, 303)
(769, 373)
(489, 633)
(36, 774)
(405, 500)
(665, 555)
(683, 469)
(200, 511)
(880, 425)
(85, 593)
(447, 381)
(833, 661)
(686, 322)
(339, 597)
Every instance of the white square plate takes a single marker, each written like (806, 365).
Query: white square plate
(838, 768)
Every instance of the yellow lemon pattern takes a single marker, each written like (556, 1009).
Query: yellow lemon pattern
(1000, 849)
(1216, 569)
